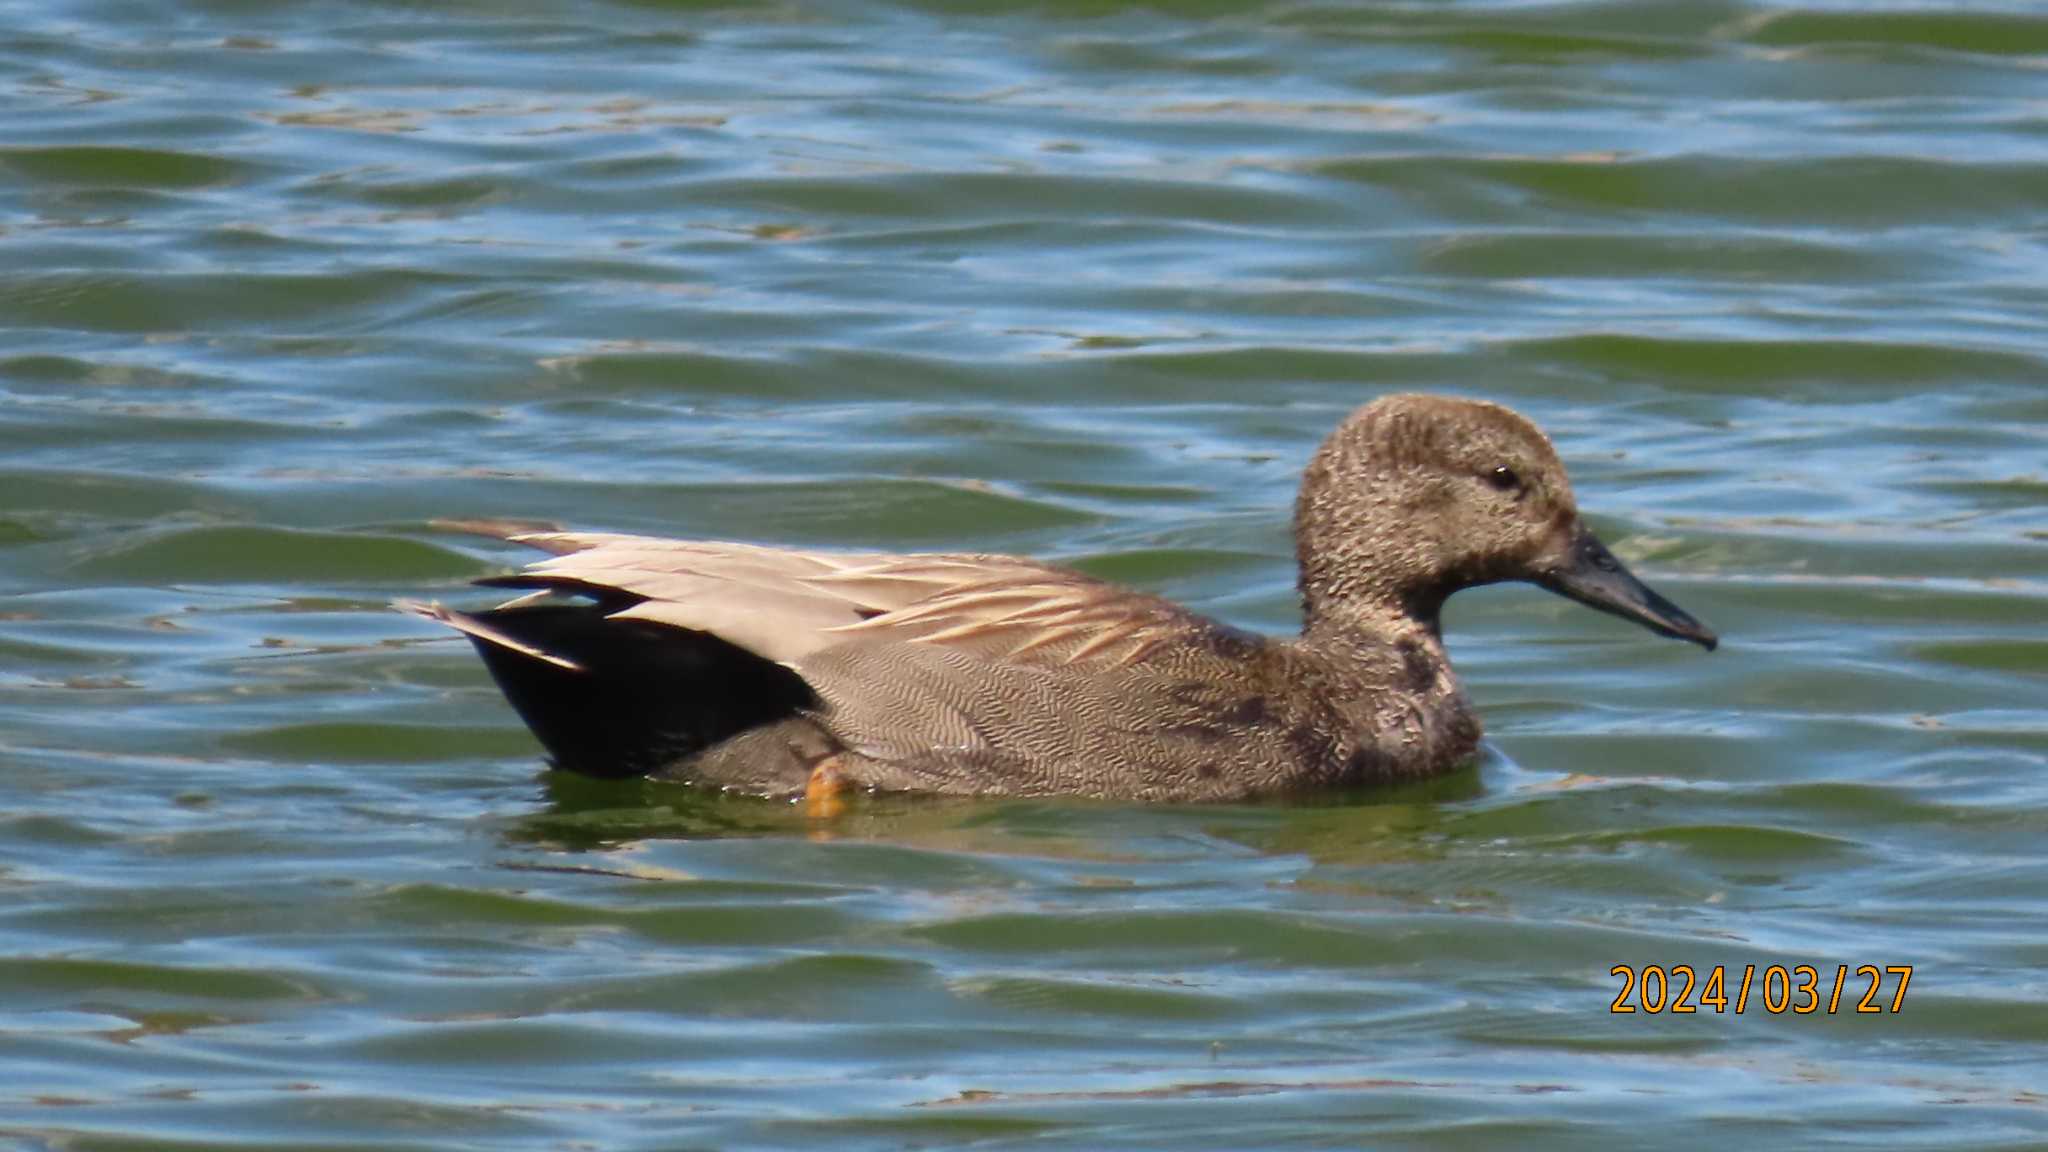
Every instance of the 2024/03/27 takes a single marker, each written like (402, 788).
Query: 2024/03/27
(1796, 990)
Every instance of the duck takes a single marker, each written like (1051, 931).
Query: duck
(810, 674)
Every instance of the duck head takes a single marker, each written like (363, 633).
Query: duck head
(1414, 497)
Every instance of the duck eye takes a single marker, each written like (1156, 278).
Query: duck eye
(1504, 478)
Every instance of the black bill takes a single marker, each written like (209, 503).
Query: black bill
(1591, 575)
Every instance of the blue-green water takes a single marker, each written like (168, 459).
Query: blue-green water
(284, 284)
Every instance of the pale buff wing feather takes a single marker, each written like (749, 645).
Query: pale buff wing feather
(869, 582)
(761, 599)
(1041, 615)
(769, 622)
(788, 604)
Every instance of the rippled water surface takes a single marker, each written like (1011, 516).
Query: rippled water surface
(281, 285)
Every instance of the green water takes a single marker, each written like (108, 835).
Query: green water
(280, 285)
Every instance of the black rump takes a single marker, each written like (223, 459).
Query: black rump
(644, 696)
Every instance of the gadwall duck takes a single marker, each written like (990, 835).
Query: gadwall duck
(780, 671)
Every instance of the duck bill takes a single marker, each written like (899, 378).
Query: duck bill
(1591, 575)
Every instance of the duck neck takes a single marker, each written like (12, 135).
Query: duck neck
(1345, 596)
(1374, 621)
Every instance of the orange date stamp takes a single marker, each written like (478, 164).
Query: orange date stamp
(1800, 990)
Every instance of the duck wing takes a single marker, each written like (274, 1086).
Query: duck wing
(950, 672)
(787, 605)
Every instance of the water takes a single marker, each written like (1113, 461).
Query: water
(282, 285)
